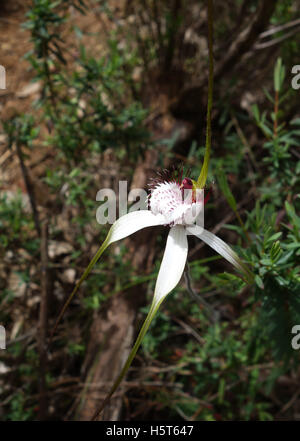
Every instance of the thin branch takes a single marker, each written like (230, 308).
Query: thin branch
(276, 40)
(280, 28)
(29, 188)
(214, 315)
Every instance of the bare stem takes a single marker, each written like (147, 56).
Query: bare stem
(213, 315)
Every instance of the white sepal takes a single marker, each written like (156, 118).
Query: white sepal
(132, 222)
(221, 248)
(173, 263)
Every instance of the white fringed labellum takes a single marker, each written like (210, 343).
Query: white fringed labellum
(178, 203)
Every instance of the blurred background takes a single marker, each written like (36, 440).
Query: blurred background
(103, 91)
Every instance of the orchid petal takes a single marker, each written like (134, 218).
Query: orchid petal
(221, 248)
(173, 263)
(123, 227)
(132, 222)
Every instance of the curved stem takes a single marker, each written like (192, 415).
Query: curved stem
(87, 271)
(203, 174)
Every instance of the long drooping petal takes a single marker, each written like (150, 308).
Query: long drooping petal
(169, 275)
(132, 222)
(123, 227)
(222, 248)
(173, 263)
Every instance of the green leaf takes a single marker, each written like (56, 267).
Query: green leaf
(258, 281)
(292, 214)
(255, 111)
(274, 237)
(226, 190)
(279, 74)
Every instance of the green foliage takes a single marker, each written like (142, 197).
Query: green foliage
(87, 109)
(21, 129)
(273, 255)
(15, 223)
(18, 410)
(281, 144)
(95, 110)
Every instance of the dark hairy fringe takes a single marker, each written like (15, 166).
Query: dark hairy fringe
(173, 174)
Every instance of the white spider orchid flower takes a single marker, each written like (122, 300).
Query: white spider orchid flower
(167, 207)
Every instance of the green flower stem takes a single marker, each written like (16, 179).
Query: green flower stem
(151, 314)
(203, 174)
(276, 109)
(89, 268)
